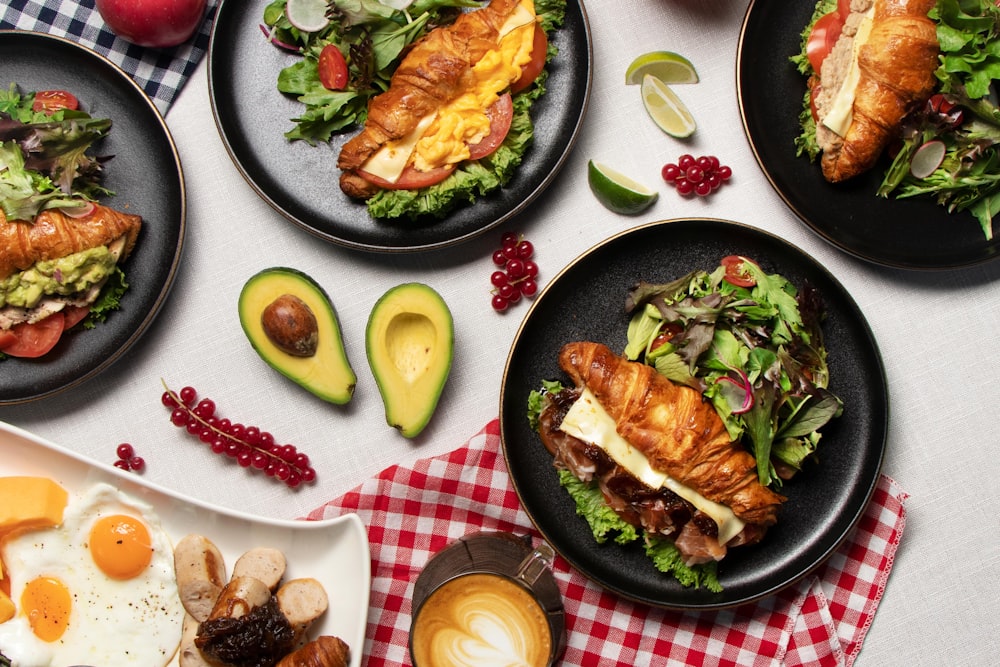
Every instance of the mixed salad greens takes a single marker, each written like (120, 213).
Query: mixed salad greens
(372, 38)
(752, 345)
(958, 130)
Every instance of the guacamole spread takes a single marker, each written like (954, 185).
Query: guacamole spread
(64, 276)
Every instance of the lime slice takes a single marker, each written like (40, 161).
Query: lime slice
(667, 66)
(617, 192)
(307, 15)
(666, 109)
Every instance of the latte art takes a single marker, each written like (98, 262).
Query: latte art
(481, 620)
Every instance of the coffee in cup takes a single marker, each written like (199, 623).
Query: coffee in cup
(483, 602)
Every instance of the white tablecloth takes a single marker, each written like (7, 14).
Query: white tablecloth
(936, 331)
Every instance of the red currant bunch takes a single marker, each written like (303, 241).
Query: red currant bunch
(516, 275)
(699, 176)
(249, 446)
(127, 459)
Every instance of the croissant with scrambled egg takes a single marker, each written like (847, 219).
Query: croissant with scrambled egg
(895, 66)
(679, 433)
(53, 234)
(434, 71)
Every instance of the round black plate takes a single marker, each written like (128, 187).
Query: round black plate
(145, 175)
(301, 181)
(901, 233)
(586, 302)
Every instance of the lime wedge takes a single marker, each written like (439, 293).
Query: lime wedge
(307, 15)
(666, 109)
(617, 192)
(667, 66)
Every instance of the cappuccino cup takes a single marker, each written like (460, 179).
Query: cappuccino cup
(487, 599)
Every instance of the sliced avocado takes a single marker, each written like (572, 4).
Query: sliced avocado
(292, 325)
(410, 340)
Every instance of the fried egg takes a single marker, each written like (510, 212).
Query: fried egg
(98, 589)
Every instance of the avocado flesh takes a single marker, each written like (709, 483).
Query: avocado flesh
(410, 342)
(327, 373)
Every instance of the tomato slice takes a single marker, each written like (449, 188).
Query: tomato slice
(54, 100)
(534, 67)
(824, 35)
(73, 315)
(410, 179)
(844, 9)
(332, 68)
(736, 273)
(35, 340)
(500, 114)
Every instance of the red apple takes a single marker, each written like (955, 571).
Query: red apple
(156, 23)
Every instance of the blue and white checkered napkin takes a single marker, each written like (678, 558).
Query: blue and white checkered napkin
(160, 72)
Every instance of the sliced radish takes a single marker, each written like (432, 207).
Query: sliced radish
(307, 15)
(82, 211)
(927, 158)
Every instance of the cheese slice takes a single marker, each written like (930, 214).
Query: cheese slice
(841, 112)
(522, 16)
(390, 160)
(587, 420)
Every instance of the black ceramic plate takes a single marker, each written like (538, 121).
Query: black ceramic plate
(145, 175)
(911, 234)
(301, 181)
(586, 302)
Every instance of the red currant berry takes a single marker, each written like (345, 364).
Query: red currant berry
(508, 239)
(685, 161)
(137, 463)
(703, 189)
(499, 258)
(188, 395)
(125, 451)
(499, 303)
(695, 174)
(506, 292)
(168, 400)
(515, 268)
(499, 278)
(705, 162)
(528, 287)
(714, 180)
(684, 186)
(670, 172)
(530, 269)
(724, 172)
(525, 250)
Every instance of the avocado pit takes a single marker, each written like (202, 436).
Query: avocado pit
(290, 324)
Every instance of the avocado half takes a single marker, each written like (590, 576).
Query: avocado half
(326, 372)
(410, 342)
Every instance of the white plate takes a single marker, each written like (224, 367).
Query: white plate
(333, 551)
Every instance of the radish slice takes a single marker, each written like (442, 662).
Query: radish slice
(82, 211)
(307, 15)
(927, 158)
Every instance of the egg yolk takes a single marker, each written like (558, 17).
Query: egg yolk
(120, 545)
(46, 602)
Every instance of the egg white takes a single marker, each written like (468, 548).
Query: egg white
(112, 622)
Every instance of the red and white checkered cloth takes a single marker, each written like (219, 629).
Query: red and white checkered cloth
(412, 513)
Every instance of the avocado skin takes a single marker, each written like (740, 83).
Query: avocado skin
(410, 340)
(328, 373)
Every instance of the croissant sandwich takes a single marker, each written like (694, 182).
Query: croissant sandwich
(660, 455)
(880, 70)
(446, 102)
(58, 263)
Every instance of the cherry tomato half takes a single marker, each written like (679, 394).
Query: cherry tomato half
(534, 67)
(35, 340)
(332, 68)
(821, 40)
(500, 114)
(668, 332)
(50, 101)
(736, 273)
(410, 179)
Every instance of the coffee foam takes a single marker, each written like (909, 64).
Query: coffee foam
(483, 620)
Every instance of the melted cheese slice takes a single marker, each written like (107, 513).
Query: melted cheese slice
(587, 420)
(841, 112)
(443, 137)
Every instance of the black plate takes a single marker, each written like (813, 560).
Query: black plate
(301, 181)
(586, 302)
(146, 176)
(911, 234)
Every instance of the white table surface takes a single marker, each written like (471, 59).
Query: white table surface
(937, 332)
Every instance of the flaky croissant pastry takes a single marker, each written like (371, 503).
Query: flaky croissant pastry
(53, 234)
(678, 432)
(431, 74)
(896, 67)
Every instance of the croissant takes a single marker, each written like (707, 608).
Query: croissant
(53, 234)
(431, 74)
(896, 75)
(325, 651)
(679, 433)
